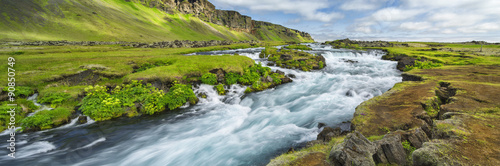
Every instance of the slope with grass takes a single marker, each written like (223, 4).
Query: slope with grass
(118, 20)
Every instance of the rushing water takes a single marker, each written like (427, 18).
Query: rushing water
(234, 129)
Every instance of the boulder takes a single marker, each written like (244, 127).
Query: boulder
(82, 119)
(355, 150)
(390, 150)
(291, 75)
(286, 80)
(431, 155)
(280, 72)
(417, 137)
(286, 57)
(328, 133)
(405, 61)
(219, 73)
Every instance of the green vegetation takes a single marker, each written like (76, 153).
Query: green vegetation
(408, 147)
(209, 78)
(220, 89)
(21, 91)
(21, 110)
(54, 99)
(109, 20)
(298, 47)
(231, 78)
(293, 59)
(100, 105)
(47, 119)
(422, 65)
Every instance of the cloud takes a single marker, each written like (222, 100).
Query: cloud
(395, 14)
(308, 10)
(362, 4)
(415, 26)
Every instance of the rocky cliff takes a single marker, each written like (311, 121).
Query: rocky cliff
(206, 11)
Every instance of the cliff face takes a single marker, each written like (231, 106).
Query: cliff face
(232, 19)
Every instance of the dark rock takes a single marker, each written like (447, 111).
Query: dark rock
(349, 93)
(390, 150)
(350, 61)
(405, 61)
(286, 80)
(328, 133)
(286, 57)
(355, 150)
(411, 77)
(82, 119)
(280, 72)
(220, 73)
(291, 75)
(320, 125)
(271, 64)
(431, 155)
(417, 137)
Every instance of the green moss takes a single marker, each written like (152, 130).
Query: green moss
(293, 59)
(47, 119)
(220, 89)
(289, 158)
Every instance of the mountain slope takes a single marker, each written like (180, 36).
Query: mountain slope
(123, 20)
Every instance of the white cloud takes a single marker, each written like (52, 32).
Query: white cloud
(308, 10)
(415, 26)
(394, 14)
(362, 4)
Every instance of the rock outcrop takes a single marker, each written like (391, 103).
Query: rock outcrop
(206, 11)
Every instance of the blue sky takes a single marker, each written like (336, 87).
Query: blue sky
(394, 20)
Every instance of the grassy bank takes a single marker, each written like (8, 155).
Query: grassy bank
(62, 76)
(457, 95)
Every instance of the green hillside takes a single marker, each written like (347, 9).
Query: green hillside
(103, 20)
(119, 20)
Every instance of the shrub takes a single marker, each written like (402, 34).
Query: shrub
(54, 99)
(209, 78)
(321, 65)
(231, 78)
(178, 95)
(101, 105)
(46, 119)
(276, 78)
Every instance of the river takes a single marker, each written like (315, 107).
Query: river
(235, 129)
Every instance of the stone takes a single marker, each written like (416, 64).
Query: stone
(391, 150)
(328, 133)
(291, 75)
(417, 137)
(286, 80)
(82, 119)
(280, 72)
(286, 57)
(355, 150)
